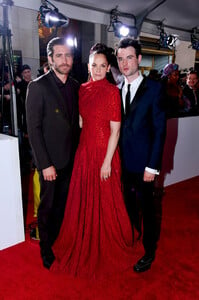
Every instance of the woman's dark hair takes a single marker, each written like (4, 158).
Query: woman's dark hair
(193, 72)
(100, 48)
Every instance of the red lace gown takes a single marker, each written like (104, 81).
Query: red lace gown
(96, 237)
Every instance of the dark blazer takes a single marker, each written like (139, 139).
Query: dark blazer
(143, 130)
(53, 134)
(189, 93)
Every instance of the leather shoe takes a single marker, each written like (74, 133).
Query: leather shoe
(144, 264)
(47, 260)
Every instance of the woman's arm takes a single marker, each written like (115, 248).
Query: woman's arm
(80, 121)
(112, 145)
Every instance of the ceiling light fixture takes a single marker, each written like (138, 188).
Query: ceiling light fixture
(50, 15)
(169, 41)
(195, 38)
(118, 27)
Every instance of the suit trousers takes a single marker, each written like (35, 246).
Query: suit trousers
(53, 196)
(140, 204)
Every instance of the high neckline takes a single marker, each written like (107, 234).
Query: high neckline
(98, 82)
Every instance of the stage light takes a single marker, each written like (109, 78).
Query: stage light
(72, 42)
(120, 30)
(195, 38)
(171, 41)
(51, 16)
(168, 41)
(118, 27)
(124, 30)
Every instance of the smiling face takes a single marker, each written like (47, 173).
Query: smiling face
(128, 62)
(61, 60)
(98, 66)
(192, 80)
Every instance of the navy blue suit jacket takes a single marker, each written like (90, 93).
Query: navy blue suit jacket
(143, 130)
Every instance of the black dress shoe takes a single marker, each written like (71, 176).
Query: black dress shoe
(47, 257)
(34, 234)
(47, 261)
(144, 263)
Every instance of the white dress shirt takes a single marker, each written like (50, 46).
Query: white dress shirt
(133, 89)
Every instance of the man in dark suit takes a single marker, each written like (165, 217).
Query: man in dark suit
(142, 141)
(53, 130)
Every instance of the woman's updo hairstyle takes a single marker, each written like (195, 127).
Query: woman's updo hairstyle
(100, 48)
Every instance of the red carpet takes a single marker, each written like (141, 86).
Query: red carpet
(173, 276)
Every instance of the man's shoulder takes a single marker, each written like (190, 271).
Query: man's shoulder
(153, 82)
(41, 81)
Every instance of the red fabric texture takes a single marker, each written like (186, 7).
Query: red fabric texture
(173, 275)
(96, 237)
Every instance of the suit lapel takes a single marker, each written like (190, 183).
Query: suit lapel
(137, 97)
(139, 93)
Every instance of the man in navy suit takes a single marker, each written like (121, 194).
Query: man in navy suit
(142, 141)
(53, 130)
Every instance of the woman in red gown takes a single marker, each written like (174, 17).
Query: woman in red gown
(96, 237)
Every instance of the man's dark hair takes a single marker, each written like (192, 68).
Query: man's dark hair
(58, 41)
(193, 72)
(129, 42)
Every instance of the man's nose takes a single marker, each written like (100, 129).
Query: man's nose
(124, 62)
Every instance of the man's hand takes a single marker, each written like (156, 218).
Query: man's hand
(49, 173)
(148, 177)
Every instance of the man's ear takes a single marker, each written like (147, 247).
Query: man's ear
(139, 58)
(50, 60)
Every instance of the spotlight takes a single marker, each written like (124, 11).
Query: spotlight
(120, 29)
(72, 42)
(51, 16)
(195, 38)
(168, 41)
(171, 41)
(124, 30)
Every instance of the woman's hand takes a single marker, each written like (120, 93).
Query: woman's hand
(105, 172)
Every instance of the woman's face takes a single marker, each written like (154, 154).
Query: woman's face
(174, 76)
(98, 66)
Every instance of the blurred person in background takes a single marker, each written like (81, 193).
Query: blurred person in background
(191, 92)
(174, 101)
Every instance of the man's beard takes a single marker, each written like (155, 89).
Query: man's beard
(58, 69)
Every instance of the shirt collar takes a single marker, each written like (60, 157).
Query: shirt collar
(57, 80)
(135, 82)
